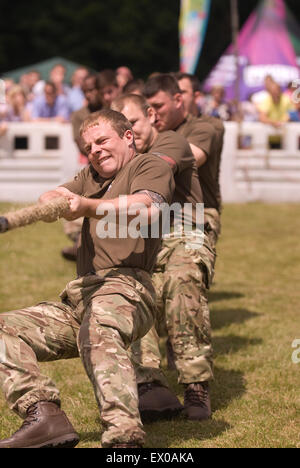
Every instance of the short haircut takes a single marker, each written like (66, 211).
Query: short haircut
(58, 65)
(161, 82)
(92, 76)
(192, 78)
(15, 89)
(133, 85)
(117, 121)
(53, 86)
(119, 103)
(107, 77)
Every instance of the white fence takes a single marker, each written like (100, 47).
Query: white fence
(257, 172)
(36, 157)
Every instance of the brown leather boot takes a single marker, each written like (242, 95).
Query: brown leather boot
(197, 401)
(45, 426)
(157, 402)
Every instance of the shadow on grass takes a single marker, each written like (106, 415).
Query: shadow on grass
(228, 385)
(215, 296)
(183, 433)
(222, 317)
(229, 344)
(175, 433)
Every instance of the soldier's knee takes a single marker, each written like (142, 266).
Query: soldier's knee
(186, 277)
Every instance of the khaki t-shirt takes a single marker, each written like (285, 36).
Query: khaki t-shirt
(204, 136)
(175, 149)
(220, 131)
(143, 172)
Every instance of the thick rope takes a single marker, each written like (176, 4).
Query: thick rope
(47, 212)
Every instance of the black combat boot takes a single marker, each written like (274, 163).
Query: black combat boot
(197, 401)
(45, 426)
(157, 402)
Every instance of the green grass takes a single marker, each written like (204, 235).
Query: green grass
(254, 307)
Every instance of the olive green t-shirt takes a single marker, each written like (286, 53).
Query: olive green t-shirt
(203, 135)
(143, 172)
(220, 131)
(175, 149)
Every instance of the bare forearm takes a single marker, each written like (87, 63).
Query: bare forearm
(45, 197)
(119, 206)
(199, 155)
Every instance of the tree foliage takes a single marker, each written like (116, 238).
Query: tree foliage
(142, 34)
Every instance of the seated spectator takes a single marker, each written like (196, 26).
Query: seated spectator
(76, 97)
(24, 82)
(50, 106)
(93, 104)
(258, 97)
(274, 109)
(6, 85)
(108, 86)
(9, 82)
(135, 86)
(215, 104)
(36, 85)
(123, 75)
(18, 109)
(57, 76)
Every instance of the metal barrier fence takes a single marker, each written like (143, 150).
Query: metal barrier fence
(259, 163)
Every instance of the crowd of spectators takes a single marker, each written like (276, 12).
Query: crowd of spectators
(33, 99)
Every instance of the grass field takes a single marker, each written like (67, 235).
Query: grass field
(254, 307)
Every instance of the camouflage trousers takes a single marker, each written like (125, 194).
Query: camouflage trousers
(99, 317)
(181, 278)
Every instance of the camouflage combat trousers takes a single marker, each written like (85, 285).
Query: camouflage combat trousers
(182, 277)
(99, 317)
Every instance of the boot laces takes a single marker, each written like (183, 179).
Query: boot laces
(196, 394)
(32, 416)
(145, 387)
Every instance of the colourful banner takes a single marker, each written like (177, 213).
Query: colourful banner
(265, 48)
(192, 28)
